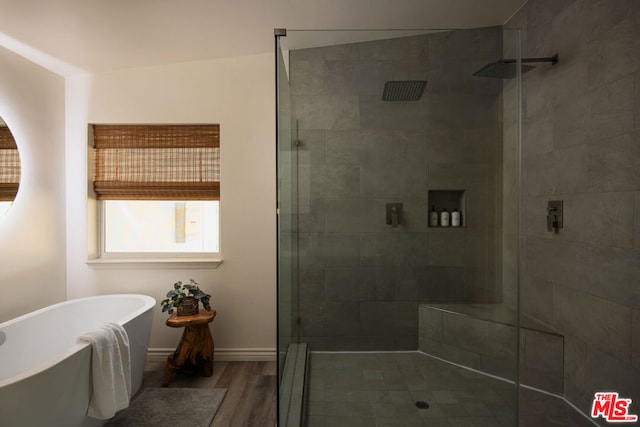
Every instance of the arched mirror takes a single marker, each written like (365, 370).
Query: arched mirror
(9, 168)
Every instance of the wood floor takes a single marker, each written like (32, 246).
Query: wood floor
(251, 398)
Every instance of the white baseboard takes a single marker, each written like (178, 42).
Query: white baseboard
(221, 354)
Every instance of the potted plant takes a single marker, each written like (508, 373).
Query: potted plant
(184, 298)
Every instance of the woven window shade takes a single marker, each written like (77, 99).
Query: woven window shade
(157, 162)
(9, 165)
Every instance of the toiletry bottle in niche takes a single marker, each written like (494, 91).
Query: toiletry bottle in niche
(455, 218)
(433, 217)
(444, 218)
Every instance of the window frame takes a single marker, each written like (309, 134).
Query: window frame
(101, 257)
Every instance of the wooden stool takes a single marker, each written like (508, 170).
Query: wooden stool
(195, 350)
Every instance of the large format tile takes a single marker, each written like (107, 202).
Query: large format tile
(430, 323)
(312, 284)
(311, 148)
(329, 249)
(560, 172)
(359, 147)
(393, 182)
(341, 77)
(615, 165)
(611, 109)
(307, 77)
(383, 318)
(537, 134)
(637, 220)
(341, 319)
(611, 273)
(311, 216)
(356, 215)
(368, 215)
(334, 181)
(358, 153)
(485, 338)
(348, 385)
(614, 53)
(635, 340)
(636, 103)
(374, 113)
(600, 219)
(598, 322)
(542, 361)
(575, 370)
(342, 284)
(553, 259)
(606, 17)
(537, 299)
(378, 283)
(446, 284)
(571, 121)
(394, 249)
(374, 73)
(326, 112)
(359, 284)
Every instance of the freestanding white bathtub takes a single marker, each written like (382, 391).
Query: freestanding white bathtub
(45, 374)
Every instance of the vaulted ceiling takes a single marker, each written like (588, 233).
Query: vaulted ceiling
(104, 35)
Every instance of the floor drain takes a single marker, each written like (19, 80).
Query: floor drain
(421, 404)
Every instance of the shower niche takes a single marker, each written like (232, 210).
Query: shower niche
(451, 200)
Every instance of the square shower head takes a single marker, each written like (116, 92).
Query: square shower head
(403, 90)
(502, 70)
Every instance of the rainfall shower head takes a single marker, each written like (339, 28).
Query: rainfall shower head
(507, 68)
(502, 70)
(403, 90)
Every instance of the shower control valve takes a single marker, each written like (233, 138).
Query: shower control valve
(554, 215)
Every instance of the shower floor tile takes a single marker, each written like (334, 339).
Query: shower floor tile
(382, 389)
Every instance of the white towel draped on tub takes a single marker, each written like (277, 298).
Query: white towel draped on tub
(111, 369)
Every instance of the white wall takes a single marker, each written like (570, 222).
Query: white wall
(238, 93)
(32, 233)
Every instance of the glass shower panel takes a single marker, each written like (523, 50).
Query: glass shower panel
(406, 320)
(292, 354)
(287, 205)
(286, 244)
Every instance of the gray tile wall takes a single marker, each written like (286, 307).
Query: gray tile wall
(361, 280)
(581, 144)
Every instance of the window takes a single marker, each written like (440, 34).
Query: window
(160, 226)
(159, 190)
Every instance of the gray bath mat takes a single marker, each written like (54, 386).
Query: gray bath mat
(172, 406)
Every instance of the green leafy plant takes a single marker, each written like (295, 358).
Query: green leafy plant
(180, 291)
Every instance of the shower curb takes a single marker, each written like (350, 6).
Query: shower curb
(292, 386)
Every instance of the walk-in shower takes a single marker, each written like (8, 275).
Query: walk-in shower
(397, 316)
(353, 285)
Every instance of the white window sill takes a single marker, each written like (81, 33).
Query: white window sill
(155, 263)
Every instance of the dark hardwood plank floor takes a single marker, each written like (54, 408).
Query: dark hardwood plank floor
(251, 398)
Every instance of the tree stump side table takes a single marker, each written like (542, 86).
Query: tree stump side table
(195, 351)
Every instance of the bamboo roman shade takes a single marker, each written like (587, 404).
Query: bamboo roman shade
(157, 162)
(9, 165)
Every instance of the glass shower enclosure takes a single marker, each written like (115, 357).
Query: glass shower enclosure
(398, 178)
